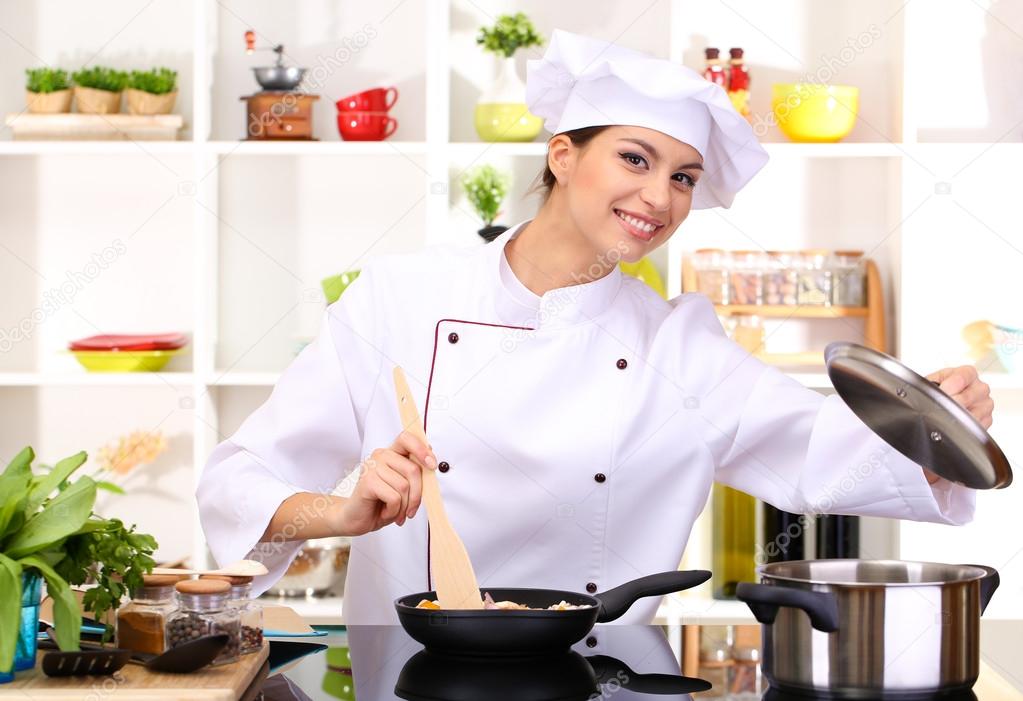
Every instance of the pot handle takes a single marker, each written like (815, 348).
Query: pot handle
(610, 669)
(988, 584)
(615, 602)
(764, 600)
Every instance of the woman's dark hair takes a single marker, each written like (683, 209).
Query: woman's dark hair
(544, 182)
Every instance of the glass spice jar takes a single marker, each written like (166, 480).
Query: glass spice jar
(815, 278)
(141, 622)
(849, 285)
(204, 609)
(746, 278)
(711, 267)
(250, 613)
(781, 279)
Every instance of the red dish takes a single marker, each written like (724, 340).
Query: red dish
(113, 342)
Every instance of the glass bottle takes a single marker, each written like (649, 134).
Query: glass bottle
(784, 535)
(815, 278)
(711, 267)
(781, 280)
(849, 286)
(838, 537)
(734, 540)
(250, 612)
(747, 277)
(141, 622)
(715, 659)
(738, 82)
(204, 609)
(713, 69)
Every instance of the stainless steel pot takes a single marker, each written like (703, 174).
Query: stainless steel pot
(870, 629)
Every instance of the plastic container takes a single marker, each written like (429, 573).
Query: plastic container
(25, 647)
(746, 277)
(204, 608)
(849, 284)
(250, 613)
(711, 266)
(142, 622)
(815, 278)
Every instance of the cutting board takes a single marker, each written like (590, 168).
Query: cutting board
(136, 683)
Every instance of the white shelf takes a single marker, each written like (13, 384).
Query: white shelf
(95, 148)
(243, 379)
(316, 148)
(96, 379)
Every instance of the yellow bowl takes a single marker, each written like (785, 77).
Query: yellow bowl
(808, 112)
(506, 121)
(124, 361)
(645, 271)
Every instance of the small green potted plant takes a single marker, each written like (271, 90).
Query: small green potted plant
(151, 92)
(501, 112)
(48, 532)
(486, 187)
(98, 90)
(47, 90)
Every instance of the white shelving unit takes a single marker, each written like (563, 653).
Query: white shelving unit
(228, 239)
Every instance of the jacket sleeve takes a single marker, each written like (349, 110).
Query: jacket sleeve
(307, 437)
(793, 447)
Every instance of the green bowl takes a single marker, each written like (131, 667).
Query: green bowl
(334, 285)
(506, 121)
(124, 361)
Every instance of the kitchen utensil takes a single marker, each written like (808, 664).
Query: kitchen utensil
(870, 629)
(372, 100)
(810, 112)
(133, 342)
(428, 676)
(449, 562)
(241, 568)
(522, 632)
(181, 659)
(319, 568)
(124, 360)
(277, 76)
(365, 126)
(915, 417)
(284, 652)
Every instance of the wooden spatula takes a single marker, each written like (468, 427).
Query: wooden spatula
(452, 571)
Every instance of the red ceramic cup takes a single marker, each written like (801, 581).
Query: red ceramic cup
(373, 100)
(365, 126)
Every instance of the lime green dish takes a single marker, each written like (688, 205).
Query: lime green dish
(645, 271)
(334, 285)
(506, 121)
(124, 361)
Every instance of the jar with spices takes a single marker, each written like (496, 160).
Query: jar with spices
(715, 659)
(849, 279)
(141, 621)
(710, 266)
(204, 609)
(815, 278)
(781, 279)
(250, 613)
(747, 277)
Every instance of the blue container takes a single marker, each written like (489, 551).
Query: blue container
(25, 652)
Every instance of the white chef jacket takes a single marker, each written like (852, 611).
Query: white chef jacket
(577, 441)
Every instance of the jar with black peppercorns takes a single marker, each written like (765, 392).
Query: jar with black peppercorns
(250, 612)
(204, 609)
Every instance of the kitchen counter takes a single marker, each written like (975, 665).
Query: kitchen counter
(367, 662)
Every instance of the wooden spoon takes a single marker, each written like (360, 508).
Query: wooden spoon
(452, 570)
(242, 568)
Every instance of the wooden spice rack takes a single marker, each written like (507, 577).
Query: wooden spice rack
(874, 333)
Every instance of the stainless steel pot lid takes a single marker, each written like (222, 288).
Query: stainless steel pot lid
(915, 417)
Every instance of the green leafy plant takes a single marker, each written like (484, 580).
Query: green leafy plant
(43, 80)
(158, 81)
(509, 34)
(101, 78)
(486, 187)
(47, 527)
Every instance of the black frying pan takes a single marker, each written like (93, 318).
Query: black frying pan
(490, 632)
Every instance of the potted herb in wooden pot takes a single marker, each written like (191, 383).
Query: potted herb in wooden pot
(49, 533)
(47, 91)
(486, 187)
(98, 90)
(151, 92)
(501, 112)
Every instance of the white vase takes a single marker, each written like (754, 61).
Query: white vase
(501, 112)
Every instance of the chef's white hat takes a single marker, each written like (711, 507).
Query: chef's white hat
(584, 82)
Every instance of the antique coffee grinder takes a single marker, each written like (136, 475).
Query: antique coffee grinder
(280, 110)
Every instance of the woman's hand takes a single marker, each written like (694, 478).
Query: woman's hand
(389, 489)
(964, 385)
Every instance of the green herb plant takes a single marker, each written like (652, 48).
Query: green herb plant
(47, 527)
(485, 187)
(101, 78)
(158, 81)
(509, 34)
(44, 80)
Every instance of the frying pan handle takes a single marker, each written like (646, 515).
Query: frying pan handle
(764, 600)
(609, 670)
(988, 584)
(615, 602)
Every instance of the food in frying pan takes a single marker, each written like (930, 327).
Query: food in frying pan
(490, 604)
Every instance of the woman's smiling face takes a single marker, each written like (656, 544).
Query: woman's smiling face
(628, 188)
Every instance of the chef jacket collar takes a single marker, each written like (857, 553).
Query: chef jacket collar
(516, 305)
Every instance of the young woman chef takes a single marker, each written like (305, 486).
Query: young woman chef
(577, 420)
